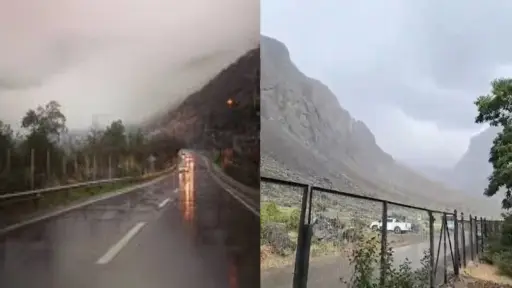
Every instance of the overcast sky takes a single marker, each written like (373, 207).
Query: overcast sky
(114, 59)
(409, 69)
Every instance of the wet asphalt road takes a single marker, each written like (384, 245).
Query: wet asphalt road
(184, 231)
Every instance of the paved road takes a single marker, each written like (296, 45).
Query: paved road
(326, 272)
(185, 231)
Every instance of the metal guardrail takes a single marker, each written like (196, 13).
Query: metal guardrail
(64, 187)
(38, 192)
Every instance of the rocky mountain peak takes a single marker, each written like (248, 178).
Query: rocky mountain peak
(306, 131)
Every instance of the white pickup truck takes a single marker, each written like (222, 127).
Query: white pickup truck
(393, 225)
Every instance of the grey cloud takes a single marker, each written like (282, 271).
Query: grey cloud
(444, 55)
(462, 41)
(427, 59)
(127, 59)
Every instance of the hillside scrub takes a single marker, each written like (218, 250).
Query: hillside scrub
(498, 248)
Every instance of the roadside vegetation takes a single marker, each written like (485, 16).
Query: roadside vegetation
(43, 153)
(333, 234)
(498, 249)
(495, 110)
(365, 260)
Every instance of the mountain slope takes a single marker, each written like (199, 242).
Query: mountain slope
(307, 135)
(471, 171)
(205, 121)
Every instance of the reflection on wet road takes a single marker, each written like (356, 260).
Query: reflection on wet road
(184, 231)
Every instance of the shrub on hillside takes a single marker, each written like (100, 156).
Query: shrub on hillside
(498, 248)
(365, 259)
(271, 213)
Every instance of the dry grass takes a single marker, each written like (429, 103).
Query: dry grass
(270, 260)
(320, 250)
(487, 273)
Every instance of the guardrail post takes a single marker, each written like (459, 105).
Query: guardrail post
(456, 264)
(431, 238)
(463, 239)
(383, 244)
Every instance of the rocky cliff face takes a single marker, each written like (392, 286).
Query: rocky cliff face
(307, 135)
(471, 171)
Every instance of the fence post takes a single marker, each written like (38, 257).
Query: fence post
(298, 274)
(471, 237)
(64, 167)
(94, 167)
(482, 234)
(383, 244)
(109, 166)
(456, 264)
(32, 160)
(307, 243)
(485, 229)
(431, 238)
(77, 174)
(463, 239)
(48, 165)
(8, 162)
(476, 237)
(86, 157)
(445, 267)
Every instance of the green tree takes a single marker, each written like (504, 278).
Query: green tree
(6, 144)
(47, 120)
(44, 125)
(114, 137)
(496, 110)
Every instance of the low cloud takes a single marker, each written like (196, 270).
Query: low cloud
(116, 59)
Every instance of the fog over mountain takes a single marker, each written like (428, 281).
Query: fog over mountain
(116, 59)
(470, 173)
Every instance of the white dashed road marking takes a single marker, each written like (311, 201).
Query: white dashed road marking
(114, 250)
(163, 203)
